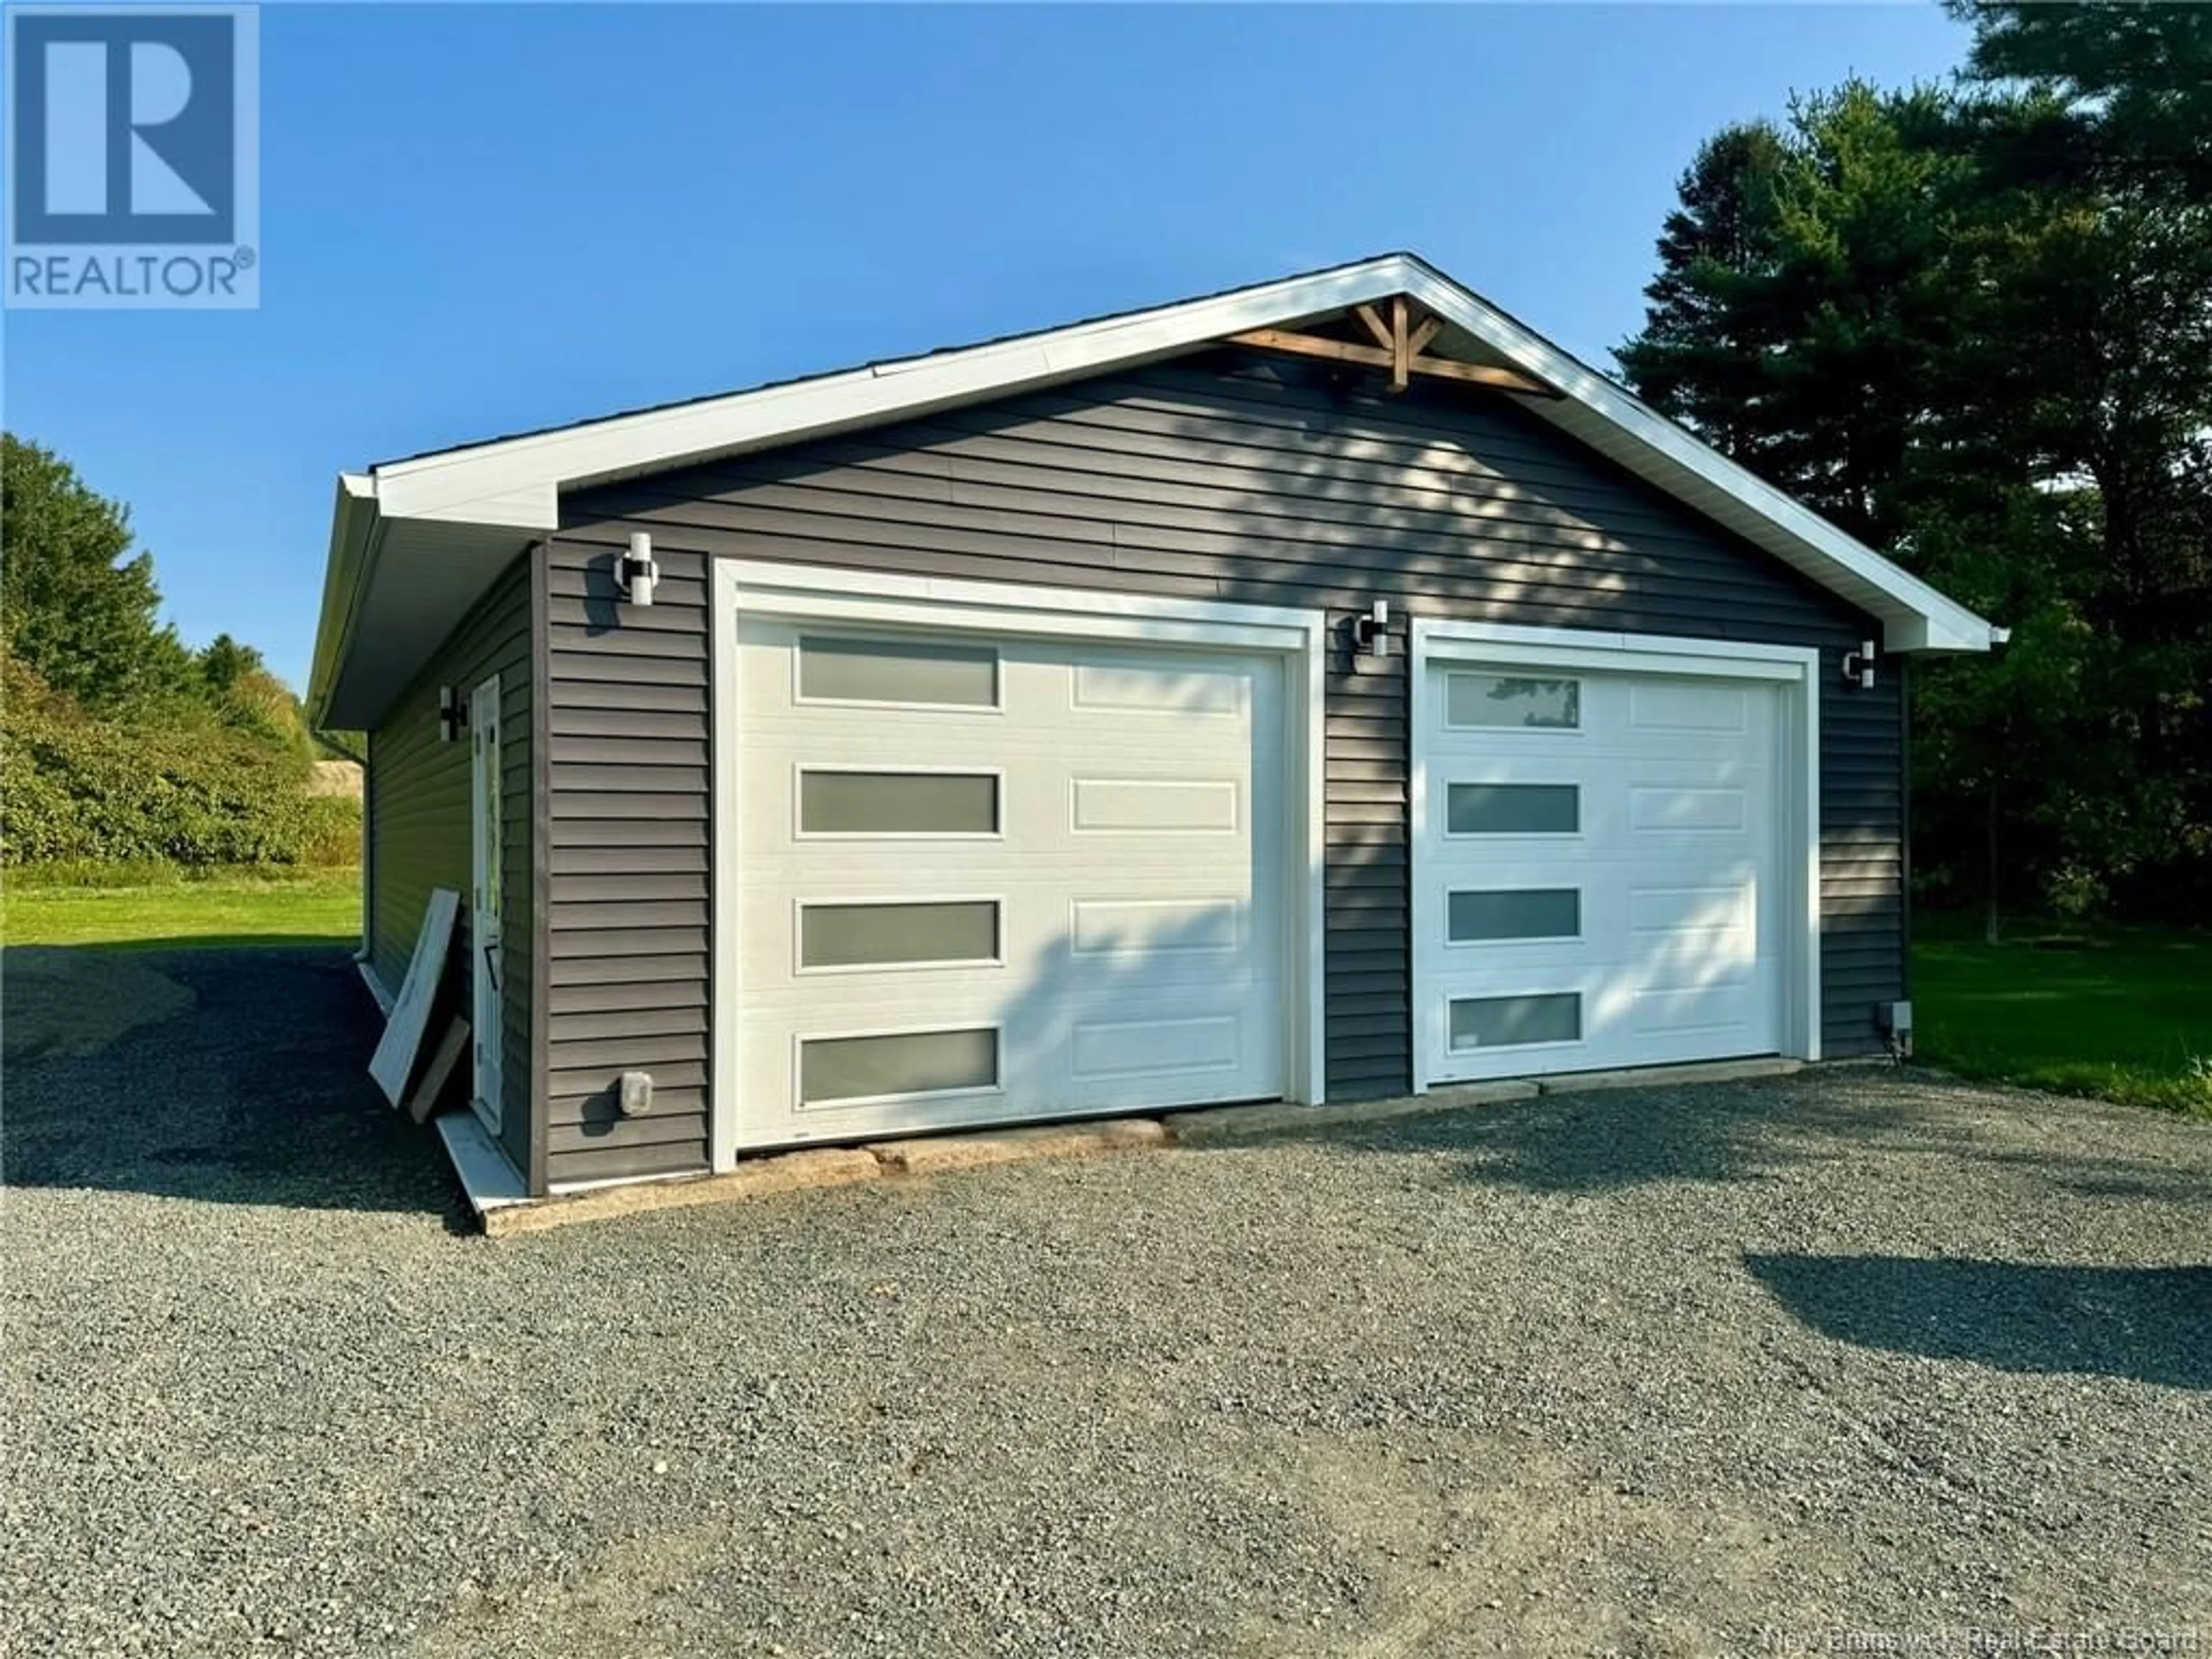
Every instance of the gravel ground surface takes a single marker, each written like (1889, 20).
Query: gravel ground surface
(1720, 1371)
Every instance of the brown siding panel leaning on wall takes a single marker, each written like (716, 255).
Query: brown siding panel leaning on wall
(1230, 477)
(419, 808)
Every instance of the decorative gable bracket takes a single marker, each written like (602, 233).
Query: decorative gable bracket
(1402, 332)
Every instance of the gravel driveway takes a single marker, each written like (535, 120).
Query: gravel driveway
(1729, 1369)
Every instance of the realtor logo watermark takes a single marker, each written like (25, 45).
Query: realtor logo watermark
(133, 158)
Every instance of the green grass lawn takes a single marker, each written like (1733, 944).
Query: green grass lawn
(2122, 1013)
(323, 909)
(2125, 1013)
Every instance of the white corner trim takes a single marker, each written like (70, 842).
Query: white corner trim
(1807, 695)
(746, 587)
(1794, 669)
(725, 964)
(1420, 720)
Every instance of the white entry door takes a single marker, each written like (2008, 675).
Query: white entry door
(486, 963)
(1599, 882)
(984, 879)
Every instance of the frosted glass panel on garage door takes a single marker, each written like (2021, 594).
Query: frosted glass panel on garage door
(1093, 869)
(896, 935)
(897, 1063)
(898, 671)
(1512, 699)
(897, 804)
(1531, 912)
(1513, 809)
(1510, 1022)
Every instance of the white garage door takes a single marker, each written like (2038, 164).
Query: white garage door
(985, 878)
(1599, 872)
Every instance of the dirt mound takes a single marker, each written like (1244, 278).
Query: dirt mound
(335, 777)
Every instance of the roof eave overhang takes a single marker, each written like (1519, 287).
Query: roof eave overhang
(510, 490)
(354, 520)
(395, 590)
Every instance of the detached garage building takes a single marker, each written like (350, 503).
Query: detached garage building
(1322, 689)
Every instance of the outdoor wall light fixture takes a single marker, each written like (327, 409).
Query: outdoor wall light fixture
(1858, 666)
(1370, 633)
(451, 716)
(636, 572)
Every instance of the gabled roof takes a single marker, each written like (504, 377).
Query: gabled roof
(415, 541)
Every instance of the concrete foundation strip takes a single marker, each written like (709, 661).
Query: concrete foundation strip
(1221, 1126)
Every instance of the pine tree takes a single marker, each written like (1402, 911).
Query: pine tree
(73, 605)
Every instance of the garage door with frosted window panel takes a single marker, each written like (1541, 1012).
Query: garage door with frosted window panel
(986, 878)
(1599, 869)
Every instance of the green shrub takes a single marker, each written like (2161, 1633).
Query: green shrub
(78, 873)
(176, 786)
(332, 839)
(80, 876)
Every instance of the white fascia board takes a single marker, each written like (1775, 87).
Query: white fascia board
(354, 521)
(523, 477)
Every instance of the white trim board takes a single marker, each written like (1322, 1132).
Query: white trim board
(489, 1181)
(746, 587)
(1575, 647)
(565, 1189)
(487, 851)
(1795, 670)
(513, 486)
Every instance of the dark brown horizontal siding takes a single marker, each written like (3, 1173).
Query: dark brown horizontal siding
(628, 855)
(420, 830)
(1226, 475)
(1364, 900)
(1861, 856)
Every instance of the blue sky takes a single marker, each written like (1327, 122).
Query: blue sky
(476, 219)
